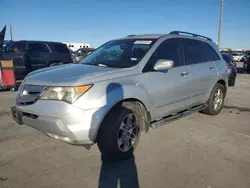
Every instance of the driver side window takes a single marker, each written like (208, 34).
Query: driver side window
(170, 49)
(16, 47)
(113, 53)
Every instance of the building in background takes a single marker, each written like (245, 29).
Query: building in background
(75, 46)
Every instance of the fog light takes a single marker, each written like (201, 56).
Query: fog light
(61, 138)
(53, 136)
(68, 140)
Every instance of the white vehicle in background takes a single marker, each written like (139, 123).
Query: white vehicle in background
(238, 56)
(76, 46)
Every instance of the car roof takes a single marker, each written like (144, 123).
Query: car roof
(157, 36)
(36, 41)
(144, 36)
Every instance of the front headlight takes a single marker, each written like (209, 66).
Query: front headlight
(67, 94)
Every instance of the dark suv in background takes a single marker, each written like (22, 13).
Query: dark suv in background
(231, 68)
(32, 55)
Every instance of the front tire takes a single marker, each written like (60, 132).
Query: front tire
(216, 100)
(120, 132)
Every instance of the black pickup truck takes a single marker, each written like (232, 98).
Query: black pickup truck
(32, 55)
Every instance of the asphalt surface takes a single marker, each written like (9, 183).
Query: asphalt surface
(199, 151)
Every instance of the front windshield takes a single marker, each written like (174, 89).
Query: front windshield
(119, 53)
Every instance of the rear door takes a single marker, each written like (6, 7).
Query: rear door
(201, 57)
(37, 55)
(16, 51)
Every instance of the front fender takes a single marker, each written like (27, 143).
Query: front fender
(109, 95)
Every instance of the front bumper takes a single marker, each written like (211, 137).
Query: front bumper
(63, 121)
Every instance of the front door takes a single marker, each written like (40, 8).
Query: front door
(169, 90)
(16, 51)
(37, 55)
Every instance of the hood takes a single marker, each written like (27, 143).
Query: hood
(67, 75)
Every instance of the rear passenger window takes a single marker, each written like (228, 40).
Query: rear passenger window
(198, 52)
(61, 48)
(169, 49)
(194, 51)
(36, 47)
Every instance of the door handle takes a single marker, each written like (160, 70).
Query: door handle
(212, 67)
(183, 74)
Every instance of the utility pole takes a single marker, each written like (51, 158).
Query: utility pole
(10, 32)
(220, 23)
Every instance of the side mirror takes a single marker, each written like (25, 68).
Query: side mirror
(163, 64)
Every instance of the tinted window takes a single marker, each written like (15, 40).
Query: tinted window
(61, 48)
(211, 55)
(198, 52)
(16, 47)
(46, 49)
(169, 49)
(194, 51)
(36, 47)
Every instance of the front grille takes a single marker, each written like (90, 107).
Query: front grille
(29, 94)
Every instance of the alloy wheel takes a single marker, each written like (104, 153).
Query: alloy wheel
(218, 99)
(128, 133)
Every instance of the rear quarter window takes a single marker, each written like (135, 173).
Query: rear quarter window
(211, 54)
(60, 48)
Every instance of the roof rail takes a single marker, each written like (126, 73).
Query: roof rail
(130, 35)
(192, 34)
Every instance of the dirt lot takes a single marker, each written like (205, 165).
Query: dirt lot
(197, 152)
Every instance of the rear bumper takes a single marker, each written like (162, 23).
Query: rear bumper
(63, 121)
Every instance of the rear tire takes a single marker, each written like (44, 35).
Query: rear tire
(114, 137)
(216, 100)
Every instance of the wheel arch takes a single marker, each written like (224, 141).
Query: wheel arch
(127, 102)
(222, 82)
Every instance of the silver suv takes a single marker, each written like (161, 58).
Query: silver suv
(124, 87)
